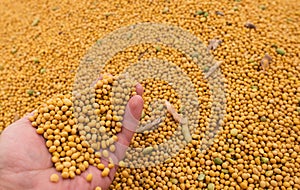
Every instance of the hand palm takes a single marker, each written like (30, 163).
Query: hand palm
(25, 162)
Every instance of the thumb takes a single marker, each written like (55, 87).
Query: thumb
(131, 119)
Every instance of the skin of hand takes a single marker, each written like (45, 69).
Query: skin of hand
(25, 162)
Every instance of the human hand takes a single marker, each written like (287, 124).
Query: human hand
(25, 162)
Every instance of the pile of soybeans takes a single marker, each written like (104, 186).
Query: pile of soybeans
(256, 42)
